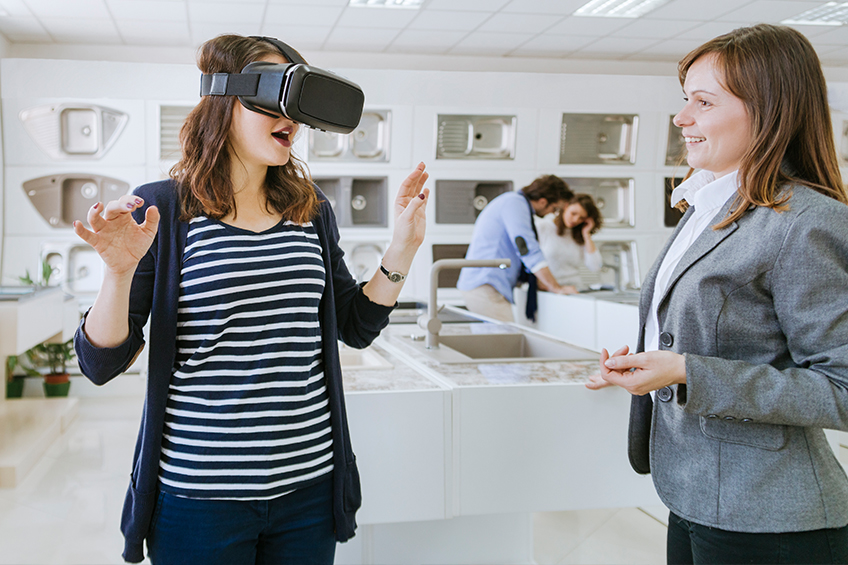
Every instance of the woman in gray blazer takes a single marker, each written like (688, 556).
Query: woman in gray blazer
(743, 345)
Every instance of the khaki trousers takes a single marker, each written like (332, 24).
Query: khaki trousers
(487, 301)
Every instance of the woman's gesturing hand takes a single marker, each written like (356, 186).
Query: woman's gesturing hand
(117, 238)
(643, 372)
(410, 219)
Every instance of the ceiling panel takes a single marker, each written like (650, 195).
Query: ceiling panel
(598, 27)
(152, 10)
(426, 41)
(25, 30)
(74, 9)
(377, 18)
(549, 45)
(448, 21)
(487, 28)
(559, 7)
(490, 43)
(87, 31)
(519, 23)
(226, 12)
(359, 39)
(301, 15)
(140, 32)
(656, 29)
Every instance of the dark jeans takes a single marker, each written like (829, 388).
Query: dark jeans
(296, 528)
(690, 543)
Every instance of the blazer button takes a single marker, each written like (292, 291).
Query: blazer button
(666, 339)
(746, 420)
(729, 418)
(712, 416)
(665, 394)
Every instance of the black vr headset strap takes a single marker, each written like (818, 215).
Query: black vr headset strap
(225, 84)
(287, 51)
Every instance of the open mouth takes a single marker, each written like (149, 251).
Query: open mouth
(694, 139)
(283, 137)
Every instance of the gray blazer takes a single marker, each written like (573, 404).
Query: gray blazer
(760, 310)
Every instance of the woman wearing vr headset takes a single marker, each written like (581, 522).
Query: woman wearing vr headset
(243, 454)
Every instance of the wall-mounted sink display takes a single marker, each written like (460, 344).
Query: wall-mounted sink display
(475, 137)
(77, 267)
(592, 139)
(461, 201)
(368, 142)
(73, 131)
(675, 153)
(621, 263)
(171, 119)
(448, 277)
(357, 201)
(614, 197)
(63, 198)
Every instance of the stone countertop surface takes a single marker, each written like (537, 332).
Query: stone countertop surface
(488, 374)
(400, 377)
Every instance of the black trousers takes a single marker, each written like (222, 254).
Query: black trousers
(690, 543)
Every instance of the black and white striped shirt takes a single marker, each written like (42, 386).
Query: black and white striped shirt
(247, 414)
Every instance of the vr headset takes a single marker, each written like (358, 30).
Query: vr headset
(309, 95)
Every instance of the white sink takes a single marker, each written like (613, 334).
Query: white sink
(361, 359)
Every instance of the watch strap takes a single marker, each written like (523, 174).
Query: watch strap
(393, 276)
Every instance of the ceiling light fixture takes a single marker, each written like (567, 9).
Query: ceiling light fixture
(618, 8)
(829, 14)
(413, 4)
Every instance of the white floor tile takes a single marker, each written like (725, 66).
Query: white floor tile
(629, 537)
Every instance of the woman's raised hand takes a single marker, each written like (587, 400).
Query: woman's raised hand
(411, 201)
(117, 238)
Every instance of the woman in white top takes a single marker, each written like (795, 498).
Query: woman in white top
(566, 240)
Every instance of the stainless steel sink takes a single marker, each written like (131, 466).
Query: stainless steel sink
(502, 348)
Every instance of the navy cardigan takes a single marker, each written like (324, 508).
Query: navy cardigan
(345, 313)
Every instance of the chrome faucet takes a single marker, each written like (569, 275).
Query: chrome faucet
(430, 321)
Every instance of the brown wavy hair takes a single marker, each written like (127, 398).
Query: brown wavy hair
(776, 73)
(203, 172)
(592, 211)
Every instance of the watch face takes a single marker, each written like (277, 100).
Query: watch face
(396, 277)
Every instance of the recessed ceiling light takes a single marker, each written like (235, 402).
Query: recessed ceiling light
(829, 14)
(618, 8)
(414, 4)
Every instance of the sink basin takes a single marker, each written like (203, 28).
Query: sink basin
(502, 348)
(361, 359)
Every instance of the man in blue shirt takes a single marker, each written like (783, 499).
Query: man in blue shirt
(505, 229)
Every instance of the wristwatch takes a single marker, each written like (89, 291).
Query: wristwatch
(393, 276)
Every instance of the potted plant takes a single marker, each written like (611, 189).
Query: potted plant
(53, 358)
(16, 372)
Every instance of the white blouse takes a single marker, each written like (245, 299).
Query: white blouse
(564, 255)
(708, 196)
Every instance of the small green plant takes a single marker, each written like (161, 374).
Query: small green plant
(53, 356)
(16, 363)
(46, 273)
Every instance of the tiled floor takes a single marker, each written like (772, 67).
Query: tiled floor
(68, 509)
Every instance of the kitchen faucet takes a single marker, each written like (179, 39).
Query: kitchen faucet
(430, 321)
(616, 268)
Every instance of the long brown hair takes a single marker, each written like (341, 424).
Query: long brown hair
(587, 203)
(776, 73)
(203, 172)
